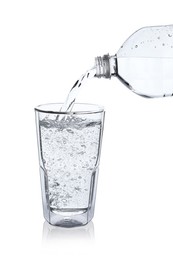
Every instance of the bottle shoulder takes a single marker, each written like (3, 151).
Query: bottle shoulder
(151, 41)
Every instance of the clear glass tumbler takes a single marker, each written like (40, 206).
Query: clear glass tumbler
(69, 145)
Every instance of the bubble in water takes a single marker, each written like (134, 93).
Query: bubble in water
(169, 35)
(77, 188)
(70, 131)
(81, 153)
(136, 46)
(68, 196)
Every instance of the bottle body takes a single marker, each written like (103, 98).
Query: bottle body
(144, 62)
(149, 77)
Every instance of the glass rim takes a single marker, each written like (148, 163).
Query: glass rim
(94, 109)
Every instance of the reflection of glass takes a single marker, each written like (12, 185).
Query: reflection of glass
(52, 234)
(69, 151)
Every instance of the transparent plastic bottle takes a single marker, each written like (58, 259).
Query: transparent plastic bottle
(144, 63)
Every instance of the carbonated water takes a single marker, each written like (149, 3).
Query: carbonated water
(70, 158)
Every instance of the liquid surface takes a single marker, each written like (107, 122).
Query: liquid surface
(69, 153)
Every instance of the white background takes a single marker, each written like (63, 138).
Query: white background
(44, 47)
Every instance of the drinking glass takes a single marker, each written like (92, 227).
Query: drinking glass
(69, 146)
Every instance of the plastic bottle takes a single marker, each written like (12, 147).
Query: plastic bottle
(144, 63)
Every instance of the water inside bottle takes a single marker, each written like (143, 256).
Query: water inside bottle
(145, 76)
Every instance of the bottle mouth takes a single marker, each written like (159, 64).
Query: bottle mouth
(103, 66)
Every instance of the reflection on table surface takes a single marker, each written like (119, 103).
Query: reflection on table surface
(52, 234)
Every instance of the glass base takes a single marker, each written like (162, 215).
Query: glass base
(69, 218)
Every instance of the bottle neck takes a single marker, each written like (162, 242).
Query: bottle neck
(105, 66)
